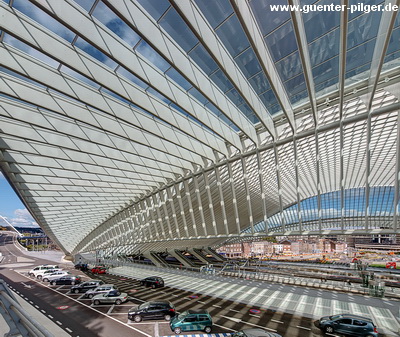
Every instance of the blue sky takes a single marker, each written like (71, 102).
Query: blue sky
(12, 208)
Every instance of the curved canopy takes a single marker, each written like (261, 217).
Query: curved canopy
(138, 125)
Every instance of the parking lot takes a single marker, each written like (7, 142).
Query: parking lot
(228, 316)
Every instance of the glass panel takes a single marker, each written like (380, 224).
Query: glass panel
(282, 42)
(203, 59)
(326, 70)
(29, 50)
(358, 57)
(232, 36)
(324, 48)
(363, 28)
(152, 56)
(196, 94)
(221, 81)
(296, 84)
(259, 83)
(215, 11)
(158, 95)
(289, 66)
(318, 23)
(121, 70)
(261, 10)
(178, 30)
(78, 76)
(156, 8)
(269, 99)
(94, 52)
(361, 10)
(249, 113)
(248, 63)
(85, 4)
(235, 97)
(26, 7)
(178, 78)
(394, 45)
(108, 18)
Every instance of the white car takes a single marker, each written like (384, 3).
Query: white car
(34, 271)
(42, 273)
(56, 275)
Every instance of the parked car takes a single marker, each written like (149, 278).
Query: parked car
(152, 310)
(348, 324)
(99, 270)
(82, 266)
(67, 279)
(113, 296)
(38, 269)
(55, 275)
(152, 281)
(42, 273)
(85, 286)
(255, 333)
(104, 288)
(191, 320)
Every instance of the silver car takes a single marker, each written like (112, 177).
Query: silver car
(255, 332)
(111, 297)
(102, 289)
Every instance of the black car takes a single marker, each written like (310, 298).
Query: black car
(152, 310)
(152, 281)
(82, 266)
(85, 286)
(69, 279)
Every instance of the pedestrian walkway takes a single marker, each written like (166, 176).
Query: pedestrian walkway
(294, 299)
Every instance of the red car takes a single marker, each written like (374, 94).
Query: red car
(99, 270)
(391, 265)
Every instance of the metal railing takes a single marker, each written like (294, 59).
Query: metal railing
(20, 323)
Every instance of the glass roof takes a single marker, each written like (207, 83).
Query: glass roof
(136, 102)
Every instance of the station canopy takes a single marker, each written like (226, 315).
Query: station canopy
(149, 125)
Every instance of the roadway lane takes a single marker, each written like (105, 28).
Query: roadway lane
(76, 318)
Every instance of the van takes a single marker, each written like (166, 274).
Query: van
(38, 269)
(191, 320)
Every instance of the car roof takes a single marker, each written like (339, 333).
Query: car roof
(356, 317)
(191, 311)
(258, 333)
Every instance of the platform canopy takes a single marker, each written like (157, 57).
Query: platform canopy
(145, 125)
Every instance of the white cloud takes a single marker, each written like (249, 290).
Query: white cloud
(23, 219)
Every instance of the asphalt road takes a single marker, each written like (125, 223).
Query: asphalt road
(78, 317)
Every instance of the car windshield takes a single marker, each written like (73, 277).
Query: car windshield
(144, 305)
(183, 315)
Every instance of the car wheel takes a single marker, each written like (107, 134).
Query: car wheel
(90, 295)
(45, 280)
(52, 283)
(73, 283)
(97, 302)
(142, 283)
(207, 329)
(137, 318)
(177, 331)
(153, 286)
(39, 277)
(118, 302)
(76, 291)
(167, 317)
(329, 329)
